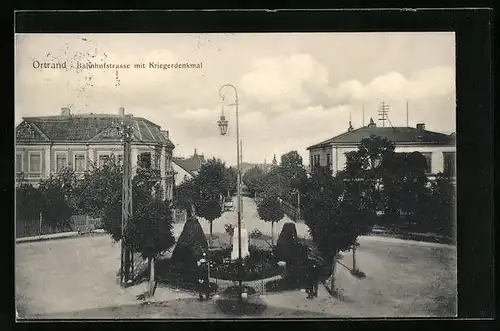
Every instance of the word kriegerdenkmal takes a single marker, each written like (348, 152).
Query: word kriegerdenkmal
(186, 65)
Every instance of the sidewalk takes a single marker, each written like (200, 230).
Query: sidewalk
(61, 235)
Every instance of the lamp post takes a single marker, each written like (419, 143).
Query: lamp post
(223, 130)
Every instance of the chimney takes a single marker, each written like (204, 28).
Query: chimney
(121, 112)
(65, 111)
(165, 133)
(421, 126)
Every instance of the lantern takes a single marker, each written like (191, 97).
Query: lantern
(222, 125)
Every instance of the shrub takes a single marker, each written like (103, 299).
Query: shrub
(258, 265)
(183, 278)
(290, 250)
(191, 244)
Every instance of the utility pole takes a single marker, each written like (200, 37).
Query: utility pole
(384, 109)
(241, 177)
(407, 115)
(126, 253)
(363, 111)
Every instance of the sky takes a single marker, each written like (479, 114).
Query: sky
(294, 90)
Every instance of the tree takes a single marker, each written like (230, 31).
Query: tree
(210, 210)
(55, 192)
(365, 169)
(253, 179)
(100, 195)
(231, 175)
(334, 222)
(437, 210)
(404, 182)
(29, 202)
(270, 210)
(150, 232)
(202, 194)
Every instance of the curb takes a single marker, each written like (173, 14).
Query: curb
(63, 235)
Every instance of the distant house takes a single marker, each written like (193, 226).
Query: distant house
(187, 168)
(438, 148)
(180, 173)
(48, 144)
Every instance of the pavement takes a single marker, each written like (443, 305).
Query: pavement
(77, 274)
(62, 235)
(250, 219)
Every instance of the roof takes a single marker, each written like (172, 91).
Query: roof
(87, 128)
(397, 135)
(191, 165)
(182, 165)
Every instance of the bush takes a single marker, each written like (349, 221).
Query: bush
(182, 277)
(288, 247)
(191, 244)
(258, 265)
(284, 284)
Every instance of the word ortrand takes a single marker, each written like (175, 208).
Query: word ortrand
(89, 65)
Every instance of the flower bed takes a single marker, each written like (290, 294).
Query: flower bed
(179, 276)
(259, 264)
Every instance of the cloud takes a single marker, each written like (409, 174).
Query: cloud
(291, 80)
(293, 91)
(427, 83)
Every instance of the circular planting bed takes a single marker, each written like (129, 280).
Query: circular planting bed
(260, 264)
(179, 276)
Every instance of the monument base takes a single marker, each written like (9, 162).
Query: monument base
(244, 244)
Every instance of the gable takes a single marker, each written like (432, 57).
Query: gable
(28, 132)
(110, 133)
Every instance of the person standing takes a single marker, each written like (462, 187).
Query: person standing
(315, 279)
(204, 280)
(309, 281)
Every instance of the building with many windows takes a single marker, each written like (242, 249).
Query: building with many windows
(438, 148)
(46, 145)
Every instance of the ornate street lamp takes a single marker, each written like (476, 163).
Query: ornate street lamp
(223, 130)
(222, 122)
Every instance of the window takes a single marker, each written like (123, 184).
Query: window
(61, 161)
(35, 163)
(19, 163)
(428, 159)
(328, 160)
(311, 161)
(449, 163)
(145, 160)
(79, 164)
(157, 160)
(316, 160)
(103, 159)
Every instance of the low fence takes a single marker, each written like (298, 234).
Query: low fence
(38, 227)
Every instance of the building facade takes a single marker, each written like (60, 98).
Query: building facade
(438, 148)
(47, 145)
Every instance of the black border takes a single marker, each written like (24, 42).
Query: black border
(474, 50)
